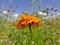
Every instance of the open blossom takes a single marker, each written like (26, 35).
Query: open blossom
(26, 20)
(48, 24)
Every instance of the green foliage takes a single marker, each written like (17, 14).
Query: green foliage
(46, 35)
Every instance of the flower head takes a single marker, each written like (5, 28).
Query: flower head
(26, 20)
(49, 24)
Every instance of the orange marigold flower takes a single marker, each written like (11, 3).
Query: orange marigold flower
(26, 20)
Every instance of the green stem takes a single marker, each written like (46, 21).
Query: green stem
(30, 31)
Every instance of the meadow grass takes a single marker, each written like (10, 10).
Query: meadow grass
(46, 35)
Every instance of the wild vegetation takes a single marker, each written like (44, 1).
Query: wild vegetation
(37, 28)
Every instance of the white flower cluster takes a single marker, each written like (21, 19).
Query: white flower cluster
(42, 14)
(48, 17)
